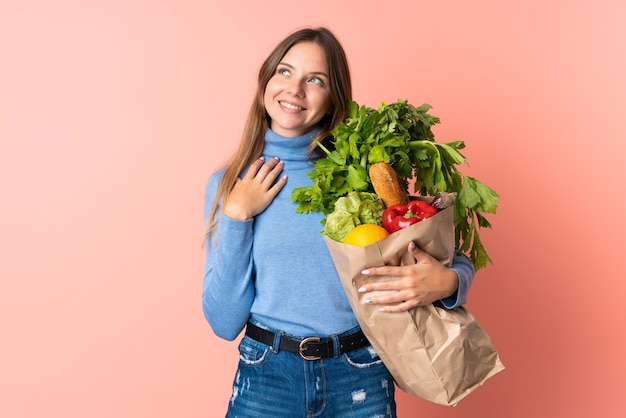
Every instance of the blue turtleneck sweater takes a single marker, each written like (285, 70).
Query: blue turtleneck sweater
(276, 267)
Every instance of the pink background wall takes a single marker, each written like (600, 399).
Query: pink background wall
(113, 113)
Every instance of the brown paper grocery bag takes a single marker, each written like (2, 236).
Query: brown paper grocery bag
(434, 353)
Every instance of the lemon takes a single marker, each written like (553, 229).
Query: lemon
(365, 234)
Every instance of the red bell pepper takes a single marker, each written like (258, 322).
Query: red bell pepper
(398, 217)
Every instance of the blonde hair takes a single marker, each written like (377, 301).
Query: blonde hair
(257, 123)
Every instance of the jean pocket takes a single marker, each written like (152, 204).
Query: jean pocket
(363, 358)
(252, 352)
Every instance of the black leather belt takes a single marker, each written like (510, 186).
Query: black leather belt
(311, 348)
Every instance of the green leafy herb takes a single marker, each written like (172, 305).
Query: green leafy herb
(400, 134)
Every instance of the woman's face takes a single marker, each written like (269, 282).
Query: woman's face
(298, 95)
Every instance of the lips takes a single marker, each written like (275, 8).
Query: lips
(291, 106)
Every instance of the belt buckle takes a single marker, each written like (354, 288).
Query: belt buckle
(302, 347)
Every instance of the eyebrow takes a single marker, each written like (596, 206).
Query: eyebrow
(313, 73)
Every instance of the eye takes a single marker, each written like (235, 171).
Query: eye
(282, 71)
(316, 80)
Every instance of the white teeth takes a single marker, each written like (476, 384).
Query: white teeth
(290, 106)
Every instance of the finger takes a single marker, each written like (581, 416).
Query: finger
(238, 181)
(277, 187)
(399, 307)
(254, 168)
(259, 169)
(383, 271)
(274, 168)
(392, 272)
(394, 302)
(419, 255)
(416, 252)
(392, 297)
(394, 285)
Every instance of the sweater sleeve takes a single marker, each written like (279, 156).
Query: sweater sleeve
(227, 287)
(464, 270)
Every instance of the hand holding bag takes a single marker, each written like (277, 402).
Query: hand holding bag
(434, 353)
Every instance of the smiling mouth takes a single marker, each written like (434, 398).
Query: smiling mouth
(291, 106)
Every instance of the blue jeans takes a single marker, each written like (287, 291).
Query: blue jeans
(281, 384)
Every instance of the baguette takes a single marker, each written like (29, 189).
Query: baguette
(387, 185)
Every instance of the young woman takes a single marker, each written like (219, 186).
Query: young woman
(268, 269)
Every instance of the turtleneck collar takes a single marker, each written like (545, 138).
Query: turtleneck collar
(288, 148)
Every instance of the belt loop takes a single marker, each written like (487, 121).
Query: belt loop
(275, 347)
(336, 346)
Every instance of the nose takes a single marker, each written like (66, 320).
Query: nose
(296, 87)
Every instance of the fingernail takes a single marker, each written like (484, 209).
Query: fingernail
(362, 289)
(382, 309)
(368, 301)
(412, 245)
(366, 271)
